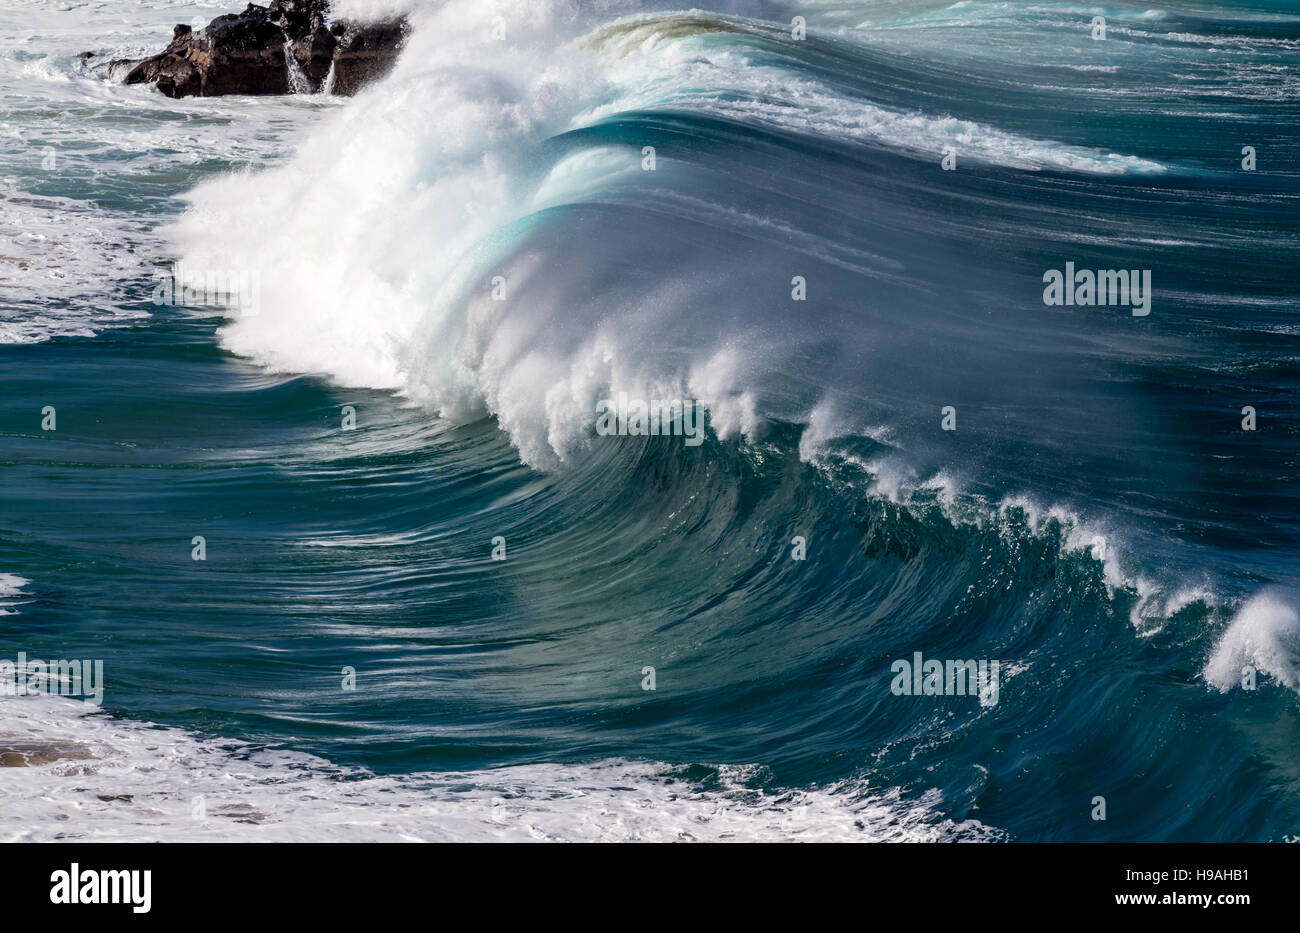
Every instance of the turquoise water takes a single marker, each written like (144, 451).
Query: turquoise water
(1098, 522)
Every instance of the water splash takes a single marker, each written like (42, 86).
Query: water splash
(299, 83)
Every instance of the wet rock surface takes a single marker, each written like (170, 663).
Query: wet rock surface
(288, 47)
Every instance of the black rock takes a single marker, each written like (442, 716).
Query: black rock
(247, 53)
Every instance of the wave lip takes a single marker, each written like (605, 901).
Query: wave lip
(1264, 636)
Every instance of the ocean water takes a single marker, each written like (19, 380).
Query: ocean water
(549, 203)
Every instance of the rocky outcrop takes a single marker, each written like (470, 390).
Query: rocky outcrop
(287, 47)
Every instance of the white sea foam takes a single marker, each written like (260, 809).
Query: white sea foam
(82, 775)
(370, 10)
(11, 587)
